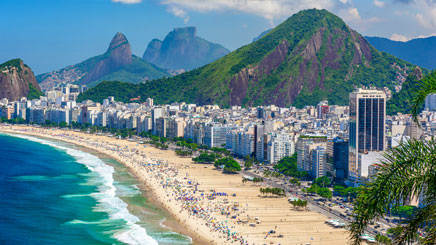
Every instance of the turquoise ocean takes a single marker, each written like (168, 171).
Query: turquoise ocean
(56, 193)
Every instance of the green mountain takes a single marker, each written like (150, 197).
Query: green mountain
(183, 49)
(17, 81)
(310, 57)
(117, 63)
(403, 100)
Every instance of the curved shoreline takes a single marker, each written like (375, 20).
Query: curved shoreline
(174, 224)
(208, 220)
(104, 191)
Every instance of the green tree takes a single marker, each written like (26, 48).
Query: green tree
(324, 192)
(322, 181)
(295, 181)
(426, 86)
(288, 167)
(381, 239)
(231, 166)
(403, 211)
(248, 163)
(204, 157)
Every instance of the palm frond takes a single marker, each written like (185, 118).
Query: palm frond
(430, 239)
(427, 86)
(419, 219)
(405, 173)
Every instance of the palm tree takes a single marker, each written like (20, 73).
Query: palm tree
(407, 171)
(426, 86)
(304, 204)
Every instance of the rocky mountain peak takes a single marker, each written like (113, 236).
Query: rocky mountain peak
(16, 80)
(118, 40)
(190, 31)
(183, 49)
(118, 55)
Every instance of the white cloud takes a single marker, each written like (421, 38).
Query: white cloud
(402, 38)
(399, 37)
(127, 1)
(427, 18)
(343, 1)
(269, 9)
(350, 14)
(425, 12)
(379, 4)
(179, 13)
(352, 17)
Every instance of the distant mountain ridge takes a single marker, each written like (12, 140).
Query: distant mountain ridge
(183, 49)
(312, 56)
(261, 35)
(17, 80)
(420, 51)
(117, 63)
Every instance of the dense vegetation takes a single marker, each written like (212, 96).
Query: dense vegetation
(274, 191)
(228, 164)
(403, 101)
(404, 211)
(322, 191)
(323, 181)
(349, 192)
(183, 153)
(205, 157)
(12, 63)
(299, 203)
(288, 167)
(33, 93)
(212, 83)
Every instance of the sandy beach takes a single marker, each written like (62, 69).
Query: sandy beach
(215, 208)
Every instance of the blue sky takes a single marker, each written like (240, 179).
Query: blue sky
(51, 34)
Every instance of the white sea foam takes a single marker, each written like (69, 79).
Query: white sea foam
(106, 196)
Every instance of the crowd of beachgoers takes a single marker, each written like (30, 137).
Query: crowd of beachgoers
(211, 207)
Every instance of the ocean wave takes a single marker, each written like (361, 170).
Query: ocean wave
(67, 196)
(102, 176)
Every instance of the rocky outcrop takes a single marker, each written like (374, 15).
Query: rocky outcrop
(117, 55)
(183, 49)
(248, 77)
(15, 78)
(152, 53)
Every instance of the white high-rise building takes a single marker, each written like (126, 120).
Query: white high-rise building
(430, 102)
(215, 135)
(279, 146)
(156, 113)
(319, 162)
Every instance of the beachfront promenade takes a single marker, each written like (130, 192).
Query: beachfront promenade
(216, 208)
